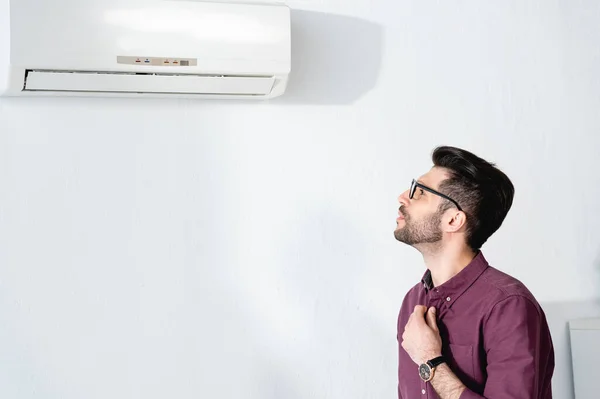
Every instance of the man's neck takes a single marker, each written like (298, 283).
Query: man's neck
(446, 263)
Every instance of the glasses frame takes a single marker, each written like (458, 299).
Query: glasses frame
(415, 184)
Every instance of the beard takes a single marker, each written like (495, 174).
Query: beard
(426, 231)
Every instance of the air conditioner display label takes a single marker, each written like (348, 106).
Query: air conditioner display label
(156, 61)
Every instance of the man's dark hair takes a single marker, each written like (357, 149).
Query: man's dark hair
(483, 191)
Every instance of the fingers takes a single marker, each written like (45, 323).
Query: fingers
(418, 316)
(420, 309)
(431, 319)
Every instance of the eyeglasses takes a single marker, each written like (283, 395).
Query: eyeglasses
(415, 184)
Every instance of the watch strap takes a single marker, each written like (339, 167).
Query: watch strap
(436, 361)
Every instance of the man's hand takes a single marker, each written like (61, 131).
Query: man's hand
(421, 338)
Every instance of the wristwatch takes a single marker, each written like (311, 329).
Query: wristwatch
(427, 369)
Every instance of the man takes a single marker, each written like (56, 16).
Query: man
(466, 330)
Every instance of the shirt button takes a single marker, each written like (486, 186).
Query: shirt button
(423, 392)
(448, 299)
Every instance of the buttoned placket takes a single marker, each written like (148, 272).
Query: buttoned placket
(439, 300)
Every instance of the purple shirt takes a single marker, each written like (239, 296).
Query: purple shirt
(494, 336)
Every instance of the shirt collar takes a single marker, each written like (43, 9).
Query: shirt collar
(457, 285)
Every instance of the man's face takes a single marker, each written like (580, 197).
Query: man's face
(420, 219)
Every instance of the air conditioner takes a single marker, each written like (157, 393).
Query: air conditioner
(178, 48)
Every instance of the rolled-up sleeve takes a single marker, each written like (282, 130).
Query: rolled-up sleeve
(512, 340)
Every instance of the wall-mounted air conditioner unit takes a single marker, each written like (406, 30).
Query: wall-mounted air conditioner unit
(152, 48)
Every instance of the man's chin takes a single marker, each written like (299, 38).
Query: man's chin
(399, 236)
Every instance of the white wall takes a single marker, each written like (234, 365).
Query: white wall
(153, 249)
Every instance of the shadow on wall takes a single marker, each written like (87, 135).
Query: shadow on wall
(335, 59)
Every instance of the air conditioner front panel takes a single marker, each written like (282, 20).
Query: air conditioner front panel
(84, 34)
(101, 82)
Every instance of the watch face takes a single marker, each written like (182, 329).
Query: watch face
(425, 372)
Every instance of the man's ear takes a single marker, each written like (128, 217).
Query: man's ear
(455, 220)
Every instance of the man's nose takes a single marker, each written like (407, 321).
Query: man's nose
(403, 198)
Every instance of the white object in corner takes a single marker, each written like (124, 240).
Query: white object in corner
(585, 352)
(150, 48)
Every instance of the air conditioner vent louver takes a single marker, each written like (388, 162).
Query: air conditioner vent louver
(152, 83)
